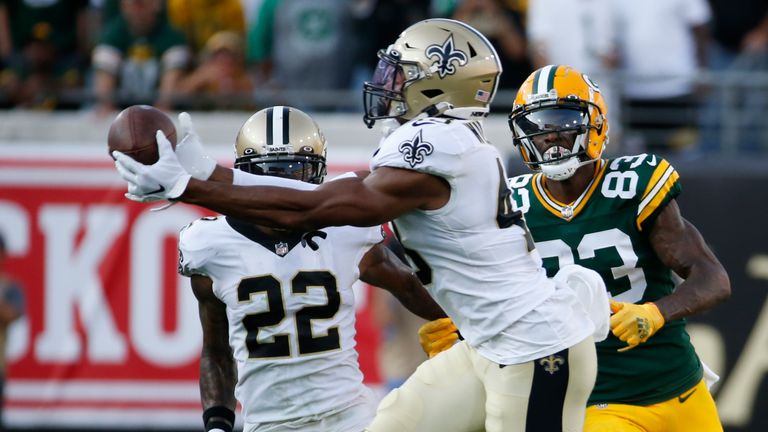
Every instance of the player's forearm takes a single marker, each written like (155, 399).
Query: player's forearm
(382, 268)
(416, 299)
(217, 379)
(680, 247)
(706, 286)
(336, 203)
(407, 289)
(222, 175)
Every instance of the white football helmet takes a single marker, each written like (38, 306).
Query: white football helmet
(282, 141)
(435, 66)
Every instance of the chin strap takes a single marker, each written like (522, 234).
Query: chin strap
(387, 126)
(445, 108)
(468, 113)
(563, 170)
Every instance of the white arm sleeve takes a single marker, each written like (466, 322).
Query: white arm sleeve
(242, 178)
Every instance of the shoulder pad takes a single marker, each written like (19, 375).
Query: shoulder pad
(520, 181)
(194, 245)
(656, 182)
(431, 145)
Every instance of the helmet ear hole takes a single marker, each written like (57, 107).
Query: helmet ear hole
(432, 93)
(472, 52)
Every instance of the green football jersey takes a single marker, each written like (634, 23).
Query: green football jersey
(606, 230)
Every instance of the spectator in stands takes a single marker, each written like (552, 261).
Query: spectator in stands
(577, 33)
(42, 50)
(139, 58)
(108, 10)
(199, 20)
(739, 45)
(660, 69)
(11, 309)
(302, 45)
(221, 80)
(501, 23)
(377, 23)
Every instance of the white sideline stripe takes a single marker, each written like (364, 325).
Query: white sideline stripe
(60, 177)
(118, 418)
(142, 391)
(67, 177)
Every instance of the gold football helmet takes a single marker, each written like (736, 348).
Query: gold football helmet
(559, 99)
(434, 65)
(284, 142)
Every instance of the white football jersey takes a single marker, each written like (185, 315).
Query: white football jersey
(291, 313)
(476, 249)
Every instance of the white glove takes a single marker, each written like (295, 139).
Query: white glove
(190, 151)
(134, 194)
(165, 179)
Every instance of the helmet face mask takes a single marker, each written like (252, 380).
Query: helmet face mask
(559, 121)
(288, 165)
(284, 142)
(434, 66)
(383, 95)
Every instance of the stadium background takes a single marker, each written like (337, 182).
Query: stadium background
(110, 338)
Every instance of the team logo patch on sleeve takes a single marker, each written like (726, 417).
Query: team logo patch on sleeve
(445, 56)
(415, 150)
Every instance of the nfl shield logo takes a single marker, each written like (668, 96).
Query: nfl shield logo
(281, 248)
(566, 212)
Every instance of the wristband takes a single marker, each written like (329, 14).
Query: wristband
(218, 418)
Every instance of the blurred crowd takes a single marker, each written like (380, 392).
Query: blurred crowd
(674, 69)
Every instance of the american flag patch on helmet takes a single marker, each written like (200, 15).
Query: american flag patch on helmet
(482, 96)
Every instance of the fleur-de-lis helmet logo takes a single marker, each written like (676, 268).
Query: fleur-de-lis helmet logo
(446, 55)
(415, 150)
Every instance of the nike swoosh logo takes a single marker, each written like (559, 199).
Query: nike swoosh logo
(683, 398)
(159, 190)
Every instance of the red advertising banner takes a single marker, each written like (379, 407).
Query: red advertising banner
(111, 336)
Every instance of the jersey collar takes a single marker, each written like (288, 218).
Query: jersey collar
(279, 245)
(566, 211)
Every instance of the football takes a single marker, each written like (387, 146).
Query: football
(133, 132)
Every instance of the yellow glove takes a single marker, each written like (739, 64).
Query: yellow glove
(633, 323)
(437, 336)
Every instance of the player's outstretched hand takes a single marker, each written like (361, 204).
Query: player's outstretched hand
(165, 179)
(190, 150)
(633, 323)
(437, 336)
